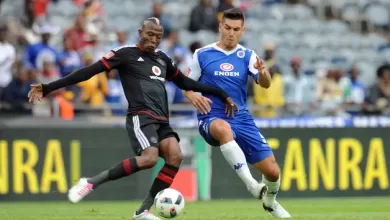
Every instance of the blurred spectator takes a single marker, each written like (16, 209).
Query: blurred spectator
(69, 59)
(16, 92)
(94, 16)
(269, 56)
(224, 5)
(379, 94)
(36, 54)
(48, 74)
(298, 89)
(61, 107)
(40, 7)
(115, 93)
(94, 90)
(7, 58)
(332, 91)
(122, 40)
(34, 12)
(203, 17)
(158, 13)
(270, 99)
(79, 36)
(176, 51)
(194, 46)
(29, 13)
(357, 94)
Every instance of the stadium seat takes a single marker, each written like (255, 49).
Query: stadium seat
(312, 40)
(186, 37)
(254, 25)
(378, 15)
(206, 37)
(335, 26)
(351, 40)
(350, 12)
(367, 73)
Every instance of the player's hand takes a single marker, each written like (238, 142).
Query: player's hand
(201, 103)
(260, 66)
(36, 92)
(230, 107)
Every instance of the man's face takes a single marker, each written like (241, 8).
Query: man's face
(150, 36)
(23, 75)
(122, 37)
(386, 76)
(231, 32)
(269, 54)
(296, 67)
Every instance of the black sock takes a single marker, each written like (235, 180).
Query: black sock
(163, 180)
(125, 168)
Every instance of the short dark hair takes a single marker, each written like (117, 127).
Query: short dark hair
(233, 14)
(382, 69)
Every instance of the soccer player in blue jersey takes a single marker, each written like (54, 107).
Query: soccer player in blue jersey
(227, 65)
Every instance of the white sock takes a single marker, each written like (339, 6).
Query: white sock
(273, 188)
(236, 158)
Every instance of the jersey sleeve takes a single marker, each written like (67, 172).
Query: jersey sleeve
(112, 59)
(194, 70)
(252, 70)
(172, 70)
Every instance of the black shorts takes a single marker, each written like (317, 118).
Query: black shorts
(145, 131)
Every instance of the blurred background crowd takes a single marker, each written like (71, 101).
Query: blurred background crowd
(326, 57)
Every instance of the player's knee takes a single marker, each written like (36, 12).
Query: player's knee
(175, 159)
(221, 130)
(148, 159)
(272, 174)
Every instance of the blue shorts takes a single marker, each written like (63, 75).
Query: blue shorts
(245, 133)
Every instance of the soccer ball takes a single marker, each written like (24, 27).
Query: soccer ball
(169, 203)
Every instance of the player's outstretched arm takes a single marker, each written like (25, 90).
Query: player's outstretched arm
(186, 83)
(264, 78)
(41, 90)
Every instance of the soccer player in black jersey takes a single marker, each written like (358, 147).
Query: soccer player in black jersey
(143, 70)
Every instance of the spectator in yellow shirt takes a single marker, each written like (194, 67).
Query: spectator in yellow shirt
(271, 99)
(94, 90)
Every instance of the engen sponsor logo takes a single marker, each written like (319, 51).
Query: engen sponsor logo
(227, 70)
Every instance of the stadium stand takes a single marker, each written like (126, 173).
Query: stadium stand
(338, 48)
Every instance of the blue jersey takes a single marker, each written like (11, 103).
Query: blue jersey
(227, 70)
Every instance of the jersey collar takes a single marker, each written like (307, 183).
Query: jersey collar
(226, 52)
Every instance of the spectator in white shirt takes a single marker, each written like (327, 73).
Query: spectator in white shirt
(7, 58)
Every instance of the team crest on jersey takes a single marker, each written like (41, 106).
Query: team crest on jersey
(156, 70)
(226, 67)
(241, 54)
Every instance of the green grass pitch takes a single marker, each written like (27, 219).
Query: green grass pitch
(306, 209)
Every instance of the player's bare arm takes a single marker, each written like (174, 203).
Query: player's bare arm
(201, 103)
(186, 83)
(264, 78)
(41, 90)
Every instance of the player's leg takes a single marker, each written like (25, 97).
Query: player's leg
(271, 177)
(220, 131)
(147, 156)
(263, 160)
(169, 149)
